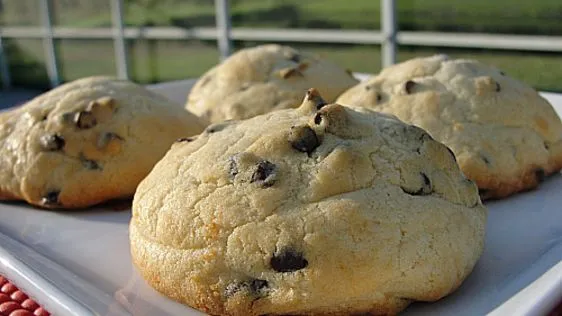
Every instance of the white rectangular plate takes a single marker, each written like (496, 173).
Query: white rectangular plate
(78, 262)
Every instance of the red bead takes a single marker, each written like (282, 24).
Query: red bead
(4, 298)
(30, 305)
(21, 312)
(8, 288)
(41, 312)
(8, 307)
(19, 296)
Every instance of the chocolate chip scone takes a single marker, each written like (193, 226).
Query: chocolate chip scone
(505, 136)
(262, 79)
(87, 141)
(315, 210)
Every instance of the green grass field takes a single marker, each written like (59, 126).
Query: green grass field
(170, 60)
(173, 60)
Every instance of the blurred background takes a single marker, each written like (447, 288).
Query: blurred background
(186, 56)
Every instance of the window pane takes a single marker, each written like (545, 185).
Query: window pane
(157, 61)
(26, 62)
(329, 14)
(83, 58)
(19, 12)
(484, 16)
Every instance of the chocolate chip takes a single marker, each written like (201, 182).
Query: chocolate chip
(313, 95)
(367, 88)
(296, 58)
(51, 198)
(254, 287)
(540, 175)
(502, 73)
(425, 189)
(257, 285)
(498, 87)
(89, 164)
(317, 118)
(264, 174)
(409, 86)
(232, 167)
(105, 138)
(288, 260)
(44, 118)
(185, 139)
(378, 97)
(485, 159)
(546, 146)
(85, 120)
(303, 138)
(52, 142)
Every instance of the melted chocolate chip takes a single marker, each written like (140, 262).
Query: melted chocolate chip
(51, 198)
(425, 189)
(105, 138)
(296, 58)
(313, 95)
(90, 164)
(498, 87)
(288, 260)
(254, 287)
(378, 97)
(485, 159)
(546, 146)
(409, 86)
(52, 142)
(44, 118)
(303, 139)
(185, 139)
(265, 174)
(85, 120)
(317, 118)
(257, 286)
(232, 167)
(540, 175)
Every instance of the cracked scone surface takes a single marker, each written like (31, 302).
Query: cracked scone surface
(86, 142)
(262, 79)
(306, 211)
(506, 137)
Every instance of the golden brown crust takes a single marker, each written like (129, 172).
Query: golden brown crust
(312, 211)
(87, 141)
(492, 188)
(505, 135)
(262, 79)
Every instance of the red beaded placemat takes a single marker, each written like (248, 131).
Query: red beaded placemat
(14, 302)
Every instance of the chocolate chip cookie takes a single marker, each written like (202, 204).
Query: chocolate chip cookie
(316, 210)
(87, 141)
(505, 136)
(262, 79)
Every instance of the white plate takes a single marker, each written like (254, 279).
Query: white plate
(78, 263)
